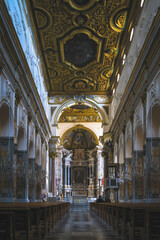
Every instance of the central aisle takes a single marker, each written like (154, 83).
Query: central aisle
(80, 224)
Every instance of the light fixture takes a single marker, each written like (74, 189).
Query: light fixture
(113, 90)
(142, 2)
(124, 59)
(131, 35)
(118, 76)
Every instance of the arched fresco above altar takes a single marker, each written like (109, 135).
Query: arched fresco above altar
(79, 138)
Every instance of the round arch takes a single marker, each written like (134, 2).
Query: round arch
(153, 123)
(21, 139)
(6, 122)
(128, 149)
(139, 138)
(71, 102)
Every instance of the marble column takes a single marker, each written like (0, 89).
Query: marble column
(68, 175)
(52, 173)
(38, 171)
(95, 174)
(63, 175)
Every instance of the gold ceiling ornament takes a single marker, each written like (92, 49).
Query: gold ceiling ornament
(81, 5)
(107, 73)
(80, 19)
(44, 19)
(79, 40)
(118, 19)
(80, 85)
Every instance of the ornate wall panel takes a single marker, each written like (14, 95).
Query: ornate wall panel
(38, 170)
(128, 178)
(31, 179)
(122, 184)
(6, 167)
(21, 174)
(139, 174)
(153, 158)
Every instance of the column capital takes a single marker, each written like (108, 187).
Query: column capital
(29, 116)
(132, 115)
(144, 96)
(53, 155)
(18, 96)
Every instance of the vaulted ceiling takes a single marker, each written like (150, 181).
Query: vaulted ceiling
(78, 41)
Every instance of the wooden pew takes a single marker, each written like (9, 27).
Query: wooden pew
(34, 220)
(136, 221)
(7, 228)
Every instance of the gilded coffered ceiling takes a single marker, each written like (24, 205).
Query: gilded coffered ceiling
(79, 42)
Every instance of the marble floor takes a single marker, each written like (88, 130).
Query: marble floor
(80, 224)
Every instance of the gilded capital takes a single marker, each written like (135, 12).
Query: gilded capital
(53, 155)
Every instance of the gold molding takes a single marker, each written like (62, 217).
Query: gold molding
(118, 19)
(81, 8)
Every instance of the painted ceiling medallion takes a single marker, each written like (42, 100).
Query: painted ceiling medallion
(81, 5)
(80, 48)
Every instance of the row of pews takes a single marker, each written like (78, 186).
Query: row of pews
(132, 221)
(29, 221)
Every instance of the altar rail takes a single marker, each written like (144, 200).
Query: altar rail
(132, 221)
(29, 221)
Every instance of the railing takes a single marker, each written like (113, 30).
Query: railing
(111, 183)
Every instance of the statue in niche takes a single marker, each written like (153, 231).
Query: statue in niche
(90, 154)
(70, 156)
